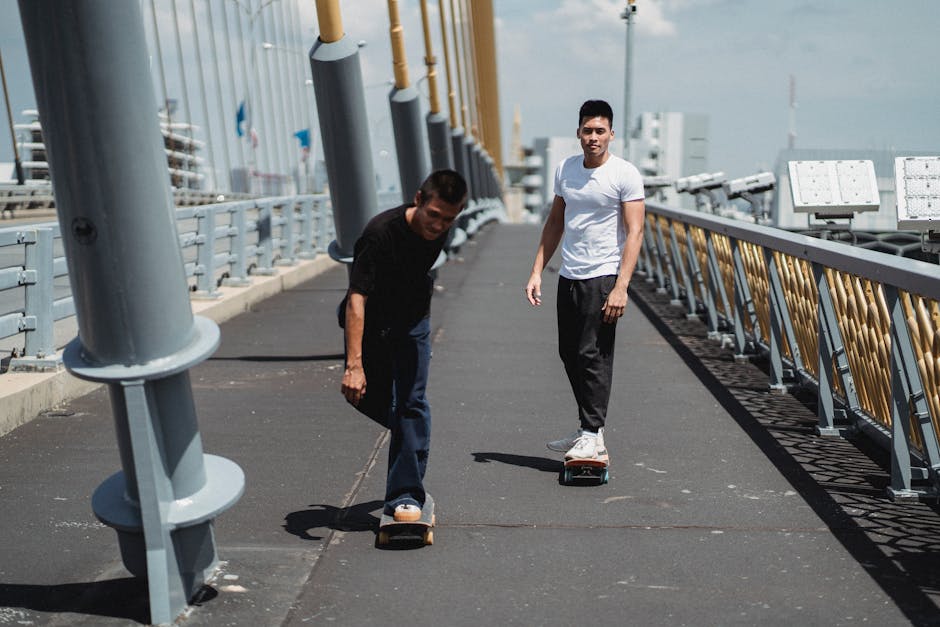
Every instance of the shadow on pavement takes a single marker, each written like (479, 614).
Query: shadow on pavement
(357, 517)
(542, 464)
(125, 598)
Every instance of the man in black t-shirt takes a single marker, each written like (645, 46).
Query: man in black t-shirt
(388, 345)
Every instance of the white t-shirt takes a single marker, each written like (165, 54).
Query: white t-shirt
(594, 232)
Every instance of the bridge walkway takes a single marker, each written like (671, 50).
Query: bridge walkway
(723, 507)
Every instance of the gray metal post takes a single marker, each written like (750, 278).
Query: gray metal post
(460, 153)
(832, 352)
(442, 152)
(743, 303)
(40, 341)
(344, 132)
(778, 315)
(907, 401)
(307, 239)
(136, 329)
(627, 15)
(205, 253)
(410, 144)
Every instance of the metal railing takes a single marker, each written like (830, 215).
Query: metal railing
(222, 244)
(860, 327)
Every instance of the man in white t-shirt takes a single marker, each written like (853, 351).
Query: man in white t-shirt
(597, 216)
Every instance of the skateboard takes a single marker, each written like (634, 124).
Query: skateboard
(421, 530)
(592, 469)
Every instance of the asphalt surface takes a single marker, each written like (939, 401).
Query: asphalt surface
(722, 508)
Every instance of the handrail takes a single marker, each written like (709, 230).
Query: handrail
(860, 327)
(223, 243)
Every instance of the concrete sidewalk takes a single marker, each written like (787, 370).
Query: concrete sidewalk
(722, 507)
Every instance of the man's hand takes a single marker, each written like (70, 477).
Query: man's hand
(533, 290)
(615, 304)
(354, 383)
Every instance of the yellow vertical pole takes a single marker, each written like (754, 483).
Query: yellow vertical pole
(329, 20)
(461, 85)
(429, 59)
(488, 85)
(470, 73)
(451, 95)
(397, 34)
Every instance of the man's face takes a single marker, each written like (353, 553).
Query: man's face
(434, 216)
(595, 136)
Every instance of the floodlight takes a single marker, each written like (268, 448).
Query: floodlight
(754, 184)
(705, 182)
(835, 189)
(657, 182)
(918, 192)
(682, 184)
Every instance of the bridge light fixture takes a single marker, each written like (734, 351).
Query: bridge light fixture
(833, 189)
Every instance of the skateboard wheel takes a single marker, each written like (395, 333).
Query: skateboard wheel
(605, 476)
(383, 538)
(428, 537)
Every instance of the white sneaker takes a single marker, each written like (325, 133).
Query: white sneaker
(585, 447)
(564, 445)
(406, 512)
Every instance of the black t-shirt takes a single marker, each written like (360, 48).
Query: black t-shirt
(390, 266)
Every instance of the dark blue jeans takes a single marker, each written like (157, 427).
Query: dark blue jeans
(396, 364)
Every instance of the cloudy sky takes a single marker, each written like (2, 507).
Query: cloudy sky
(865, 70)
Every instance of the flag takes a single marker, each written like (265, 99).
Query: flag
(240, 118)
(304, 136)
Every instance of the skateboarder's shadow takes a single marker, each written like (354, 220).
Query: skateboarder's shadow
(543, 464)
(320, 516)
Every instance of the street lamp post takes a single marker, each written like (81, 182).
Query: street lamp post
(627, 16)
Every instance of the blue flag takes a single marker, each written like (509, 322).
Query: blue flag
(304, 136)
(240, 119)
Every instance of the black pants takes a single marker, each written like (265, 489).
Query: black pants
(586, 345)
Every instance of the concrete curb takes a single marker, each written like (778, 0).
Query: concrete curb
(24, 395)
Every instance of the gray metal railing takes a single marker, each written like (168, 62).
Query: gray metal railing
(860, 327)
(222, 244)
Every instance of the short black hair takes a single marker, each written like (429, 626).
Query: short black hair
(448, 185)
(596, 109)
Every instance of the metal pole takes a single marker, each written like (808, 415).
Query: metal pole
(20, 179)
(136, 328)
(627, 16)
(406, 115)
(205, 100)
(344, 129)
(223, 120)
(442, 155)
(484, 50)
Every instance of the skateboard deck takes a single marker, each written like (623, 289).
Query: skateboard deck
(591, 469)
(420, 531)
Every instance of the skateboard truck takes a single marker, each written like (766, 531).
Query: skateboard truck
(591, 469)
(418, 531)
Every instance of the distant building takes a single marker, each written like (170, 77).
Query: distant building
(671, 144)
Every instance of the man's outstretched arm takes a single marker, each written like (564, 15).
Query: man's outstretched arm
(354, 377)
